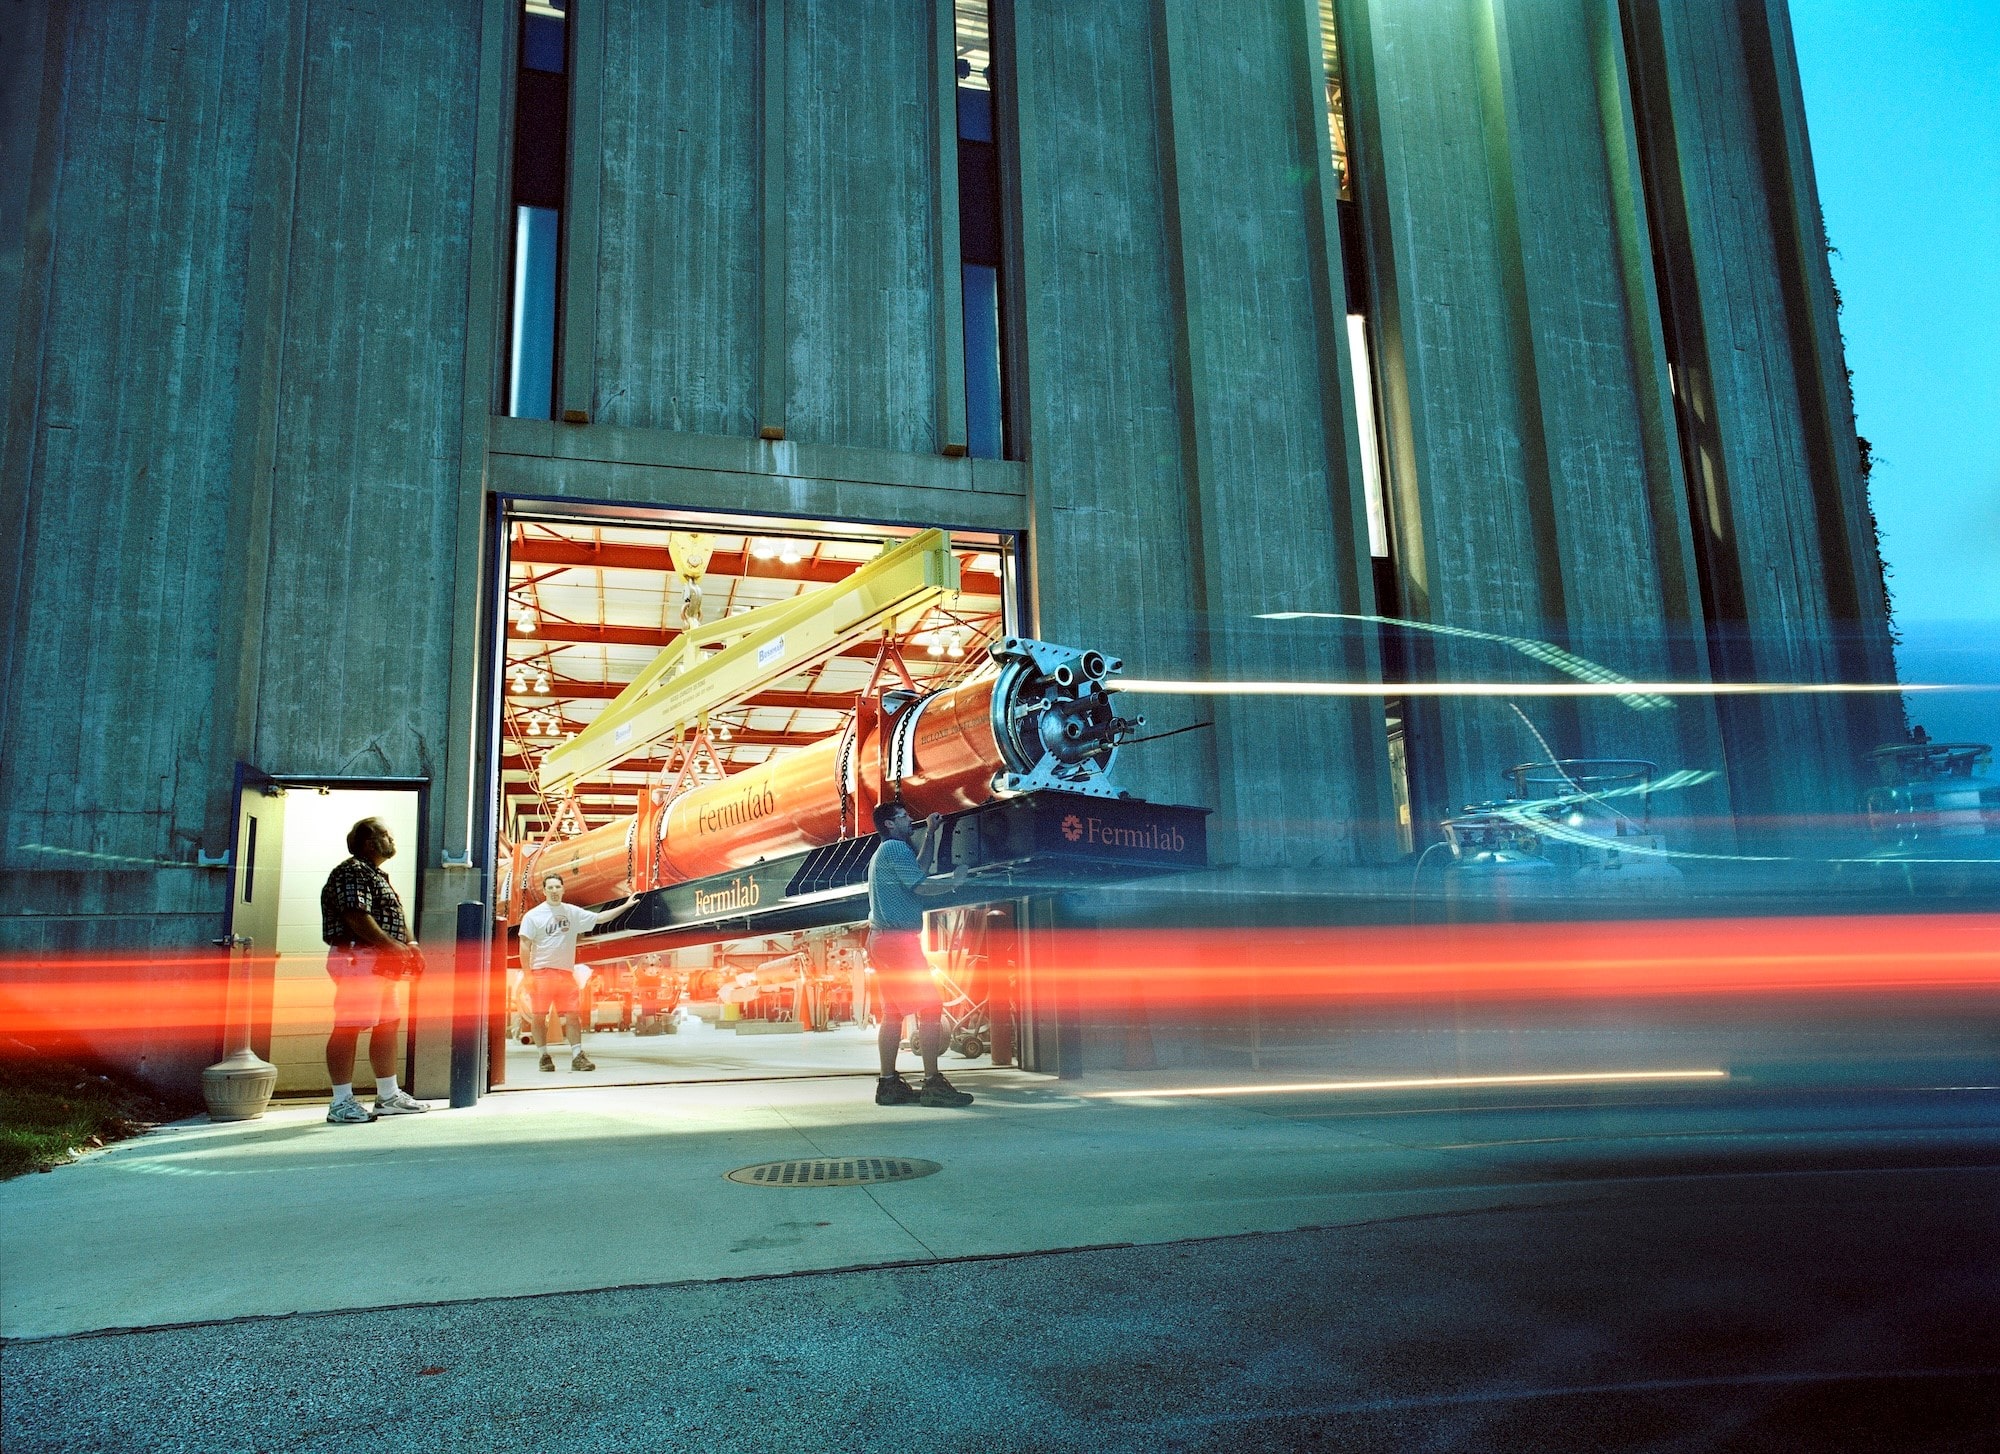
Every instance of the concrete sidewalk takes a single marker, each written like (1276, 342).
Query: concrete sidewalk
(1846, 1309)
(573, 1190)
(567, 1190)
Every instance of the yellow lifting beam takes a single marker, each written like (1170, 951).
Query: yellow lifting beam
(690, 678)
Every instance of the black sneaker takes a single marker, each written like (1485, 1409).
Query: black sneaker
(893, 1090)
(938, 1091)
(580, 1061)
(548, 1062)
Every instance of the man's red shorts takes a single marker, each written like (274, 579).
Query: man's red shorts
(552, 989)
(903, 975)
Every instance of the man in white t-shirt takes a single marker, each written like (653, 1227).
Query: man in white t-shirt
(548, 957)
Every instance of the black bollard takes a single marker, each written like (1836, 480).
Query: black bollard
(468, 1019)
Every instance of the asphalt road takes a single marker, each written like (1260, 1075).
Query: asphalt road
(1691, 1288)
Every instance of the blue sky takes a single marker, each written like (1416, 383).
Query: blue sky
(1903, 103)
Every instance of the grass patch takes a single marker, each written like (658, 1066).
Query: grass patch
(51, 1111)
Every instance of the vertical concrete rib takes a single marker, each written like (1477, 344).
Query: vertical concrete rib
(772, 386)
(24, 381)
(1588, 365)
(1464, 436)
(1665, 478)
(370, 414)
(1093, 369)
(861, 291)
(1171, 58)
(1581, 381)
(1399, 370)
(1749, 381)
(677, 266)
(462, 801)
(577, 348)
(1854, 574)
(23, 83)
(1251, 376)
(1500, 103)
(951, 427)
(1683, 619)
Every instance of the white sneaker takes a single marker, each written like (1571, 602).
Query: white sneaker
(347, 1111)
(399, 1102)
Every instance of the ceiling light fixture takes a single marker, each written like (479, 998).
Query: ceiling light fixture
(763, 549)
(790, 554)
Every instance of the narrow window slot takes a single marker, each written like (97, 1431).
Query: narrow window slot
(540, 179)
(979, 236)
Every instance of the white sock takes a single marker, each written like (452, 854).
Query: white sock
(385, 1085)
(344, 1091)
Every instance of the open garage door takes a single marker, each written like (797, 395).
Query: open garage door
(592, 598)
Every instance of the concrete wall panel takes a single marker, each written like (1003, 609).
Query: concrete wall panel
(1112, 524)
(1469, 494)
(245, 516)
(357, 645)
(1628, 593)
(1751, 393)
(678, 238)
(1269, 532)
(123, 396)
(860, 290)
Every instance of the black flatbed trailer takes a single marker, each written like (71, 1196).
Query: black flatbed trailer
(1038, 843)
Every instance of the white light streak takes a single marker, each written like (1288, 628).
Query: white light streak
(1165, 687)
(1581, 668)
(1429, 1082)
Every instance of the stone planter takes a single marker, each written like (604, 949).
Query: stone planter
(239, 1087)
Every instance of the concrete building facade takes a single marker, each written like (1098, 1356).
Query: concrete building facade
(256, 271)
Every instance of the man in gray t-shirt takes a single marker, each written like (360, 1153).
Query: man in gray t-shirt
(896, 950)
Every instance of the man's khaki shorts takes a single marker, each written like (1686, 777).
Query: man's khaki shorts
(903, 975)
(361, 997)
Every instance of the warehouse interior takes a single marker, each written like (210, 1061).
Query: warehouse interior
(591, 599)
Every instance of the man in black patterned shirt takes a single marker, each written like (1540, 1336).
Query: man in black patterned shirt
(369, 954)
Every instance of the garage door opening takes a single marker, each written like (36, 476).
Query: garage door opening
(593, 599)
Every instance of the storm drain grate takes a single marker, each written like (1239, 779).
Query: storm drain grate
(835, 1171)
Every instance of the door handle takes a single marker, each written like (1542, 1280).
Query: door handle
(232, 941)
